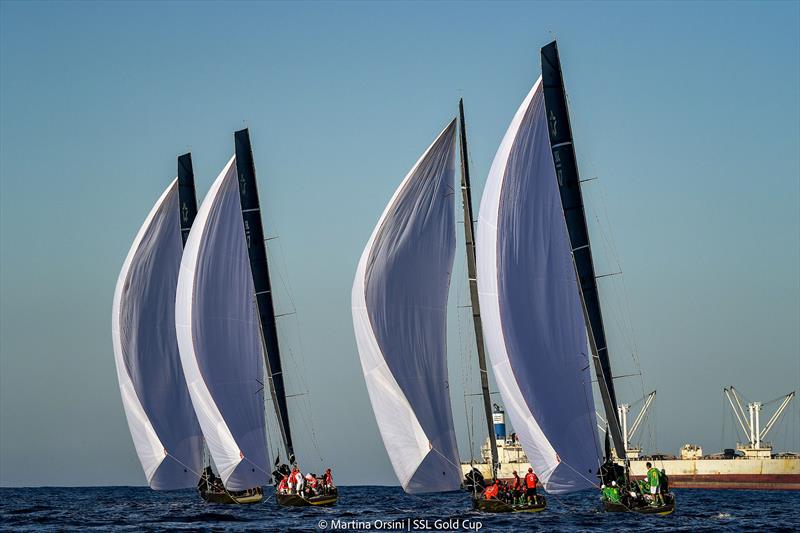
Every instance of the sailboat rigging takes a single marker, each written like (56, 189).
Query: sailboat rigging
(262, 285)
(263, 294)
(569, 186)
(472, 277)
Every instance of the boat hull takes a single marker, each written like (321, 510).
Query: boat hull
(498, 506)
(611, 507)
(231, 498)
(295, 500)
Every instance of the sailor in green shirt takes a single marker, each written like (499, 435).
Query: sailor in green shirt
(654, 480)
(611, 493)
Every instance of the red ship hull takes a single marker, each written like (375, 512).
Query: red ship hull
(737, 481)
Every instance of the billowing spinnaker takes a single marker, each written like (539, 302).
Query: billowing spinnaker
(160, 415)
(532, 314)
(219, 337)
(399, 303)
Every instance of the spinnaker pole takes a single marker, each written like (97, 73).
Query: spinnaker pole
(566, 166)
(469, 235)
(257, 251)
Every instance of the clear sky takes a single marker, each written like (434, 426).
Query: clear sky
(688, 113)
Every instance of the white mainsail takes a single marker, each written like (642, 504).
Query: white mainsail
(531, 307)
(399, 303)
(160, 416)
(220, 337)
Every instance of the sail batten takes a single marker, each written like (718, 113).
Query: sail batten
(399, 302)
(219, 337)
(160, 417)
(530, 305)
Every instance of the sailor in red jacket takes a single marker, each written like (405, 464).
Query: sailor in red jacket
(530, 485)
(516, 487)
(283, 486)
(492, 490)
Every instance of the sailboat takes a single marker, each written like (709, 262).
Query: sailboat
(538, 290)
(474, 480)
(569, 186)
(162, 422)
(531, 307)
(227, 335)
(399, 301)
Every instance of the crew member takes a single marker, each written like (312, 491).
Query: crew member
(283, 486)
(664, 483)
(611, 493)
(654, 480)
(517, 488)
(328, 483)
(311, 483)
(492, 490)
(530, 485)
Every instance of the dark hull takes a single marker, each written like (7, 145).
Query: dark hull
(239, 498)
(667, 508)
(295, 500)
(498, 506)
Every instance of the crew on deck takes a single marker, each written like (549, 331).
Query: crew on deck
(654, 482)
(516, 488)
(611, 493)
(492, 490)
(530, 485)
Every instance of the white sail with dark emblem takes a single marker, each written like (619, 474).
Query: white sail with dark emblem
(531, 306)
(219, 335)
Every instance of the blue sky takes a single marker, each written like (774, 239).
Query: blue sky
(688, 113)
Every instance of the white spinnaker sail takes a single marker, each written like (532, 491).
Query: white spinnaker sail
(531, 309)
(399, 303)
(160, 416)
(220, 337)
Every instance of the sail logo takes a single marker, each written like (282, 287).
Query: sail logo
(185, 213)
(553, 124)
(247, 232)
(557, 162)
(242, 184)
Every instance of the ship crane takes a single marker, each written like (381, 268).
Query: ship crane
(750, 422)
(629, 431)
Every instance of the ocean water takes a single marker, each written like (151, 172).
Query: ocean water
(379, 509)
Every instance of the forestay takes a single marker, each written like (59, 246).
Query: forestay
(160, 416)
(219, 337)
(399, 303)
(532, 314)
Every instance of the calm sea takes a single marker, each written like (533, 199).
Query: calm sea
(379, 509)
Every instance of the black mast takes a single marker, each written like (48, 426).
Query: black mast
(575, 215)
(257, 250)
(187, 200)
(469, 235)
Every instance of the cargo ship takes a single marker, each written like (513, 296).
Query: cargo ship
(751, 465)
